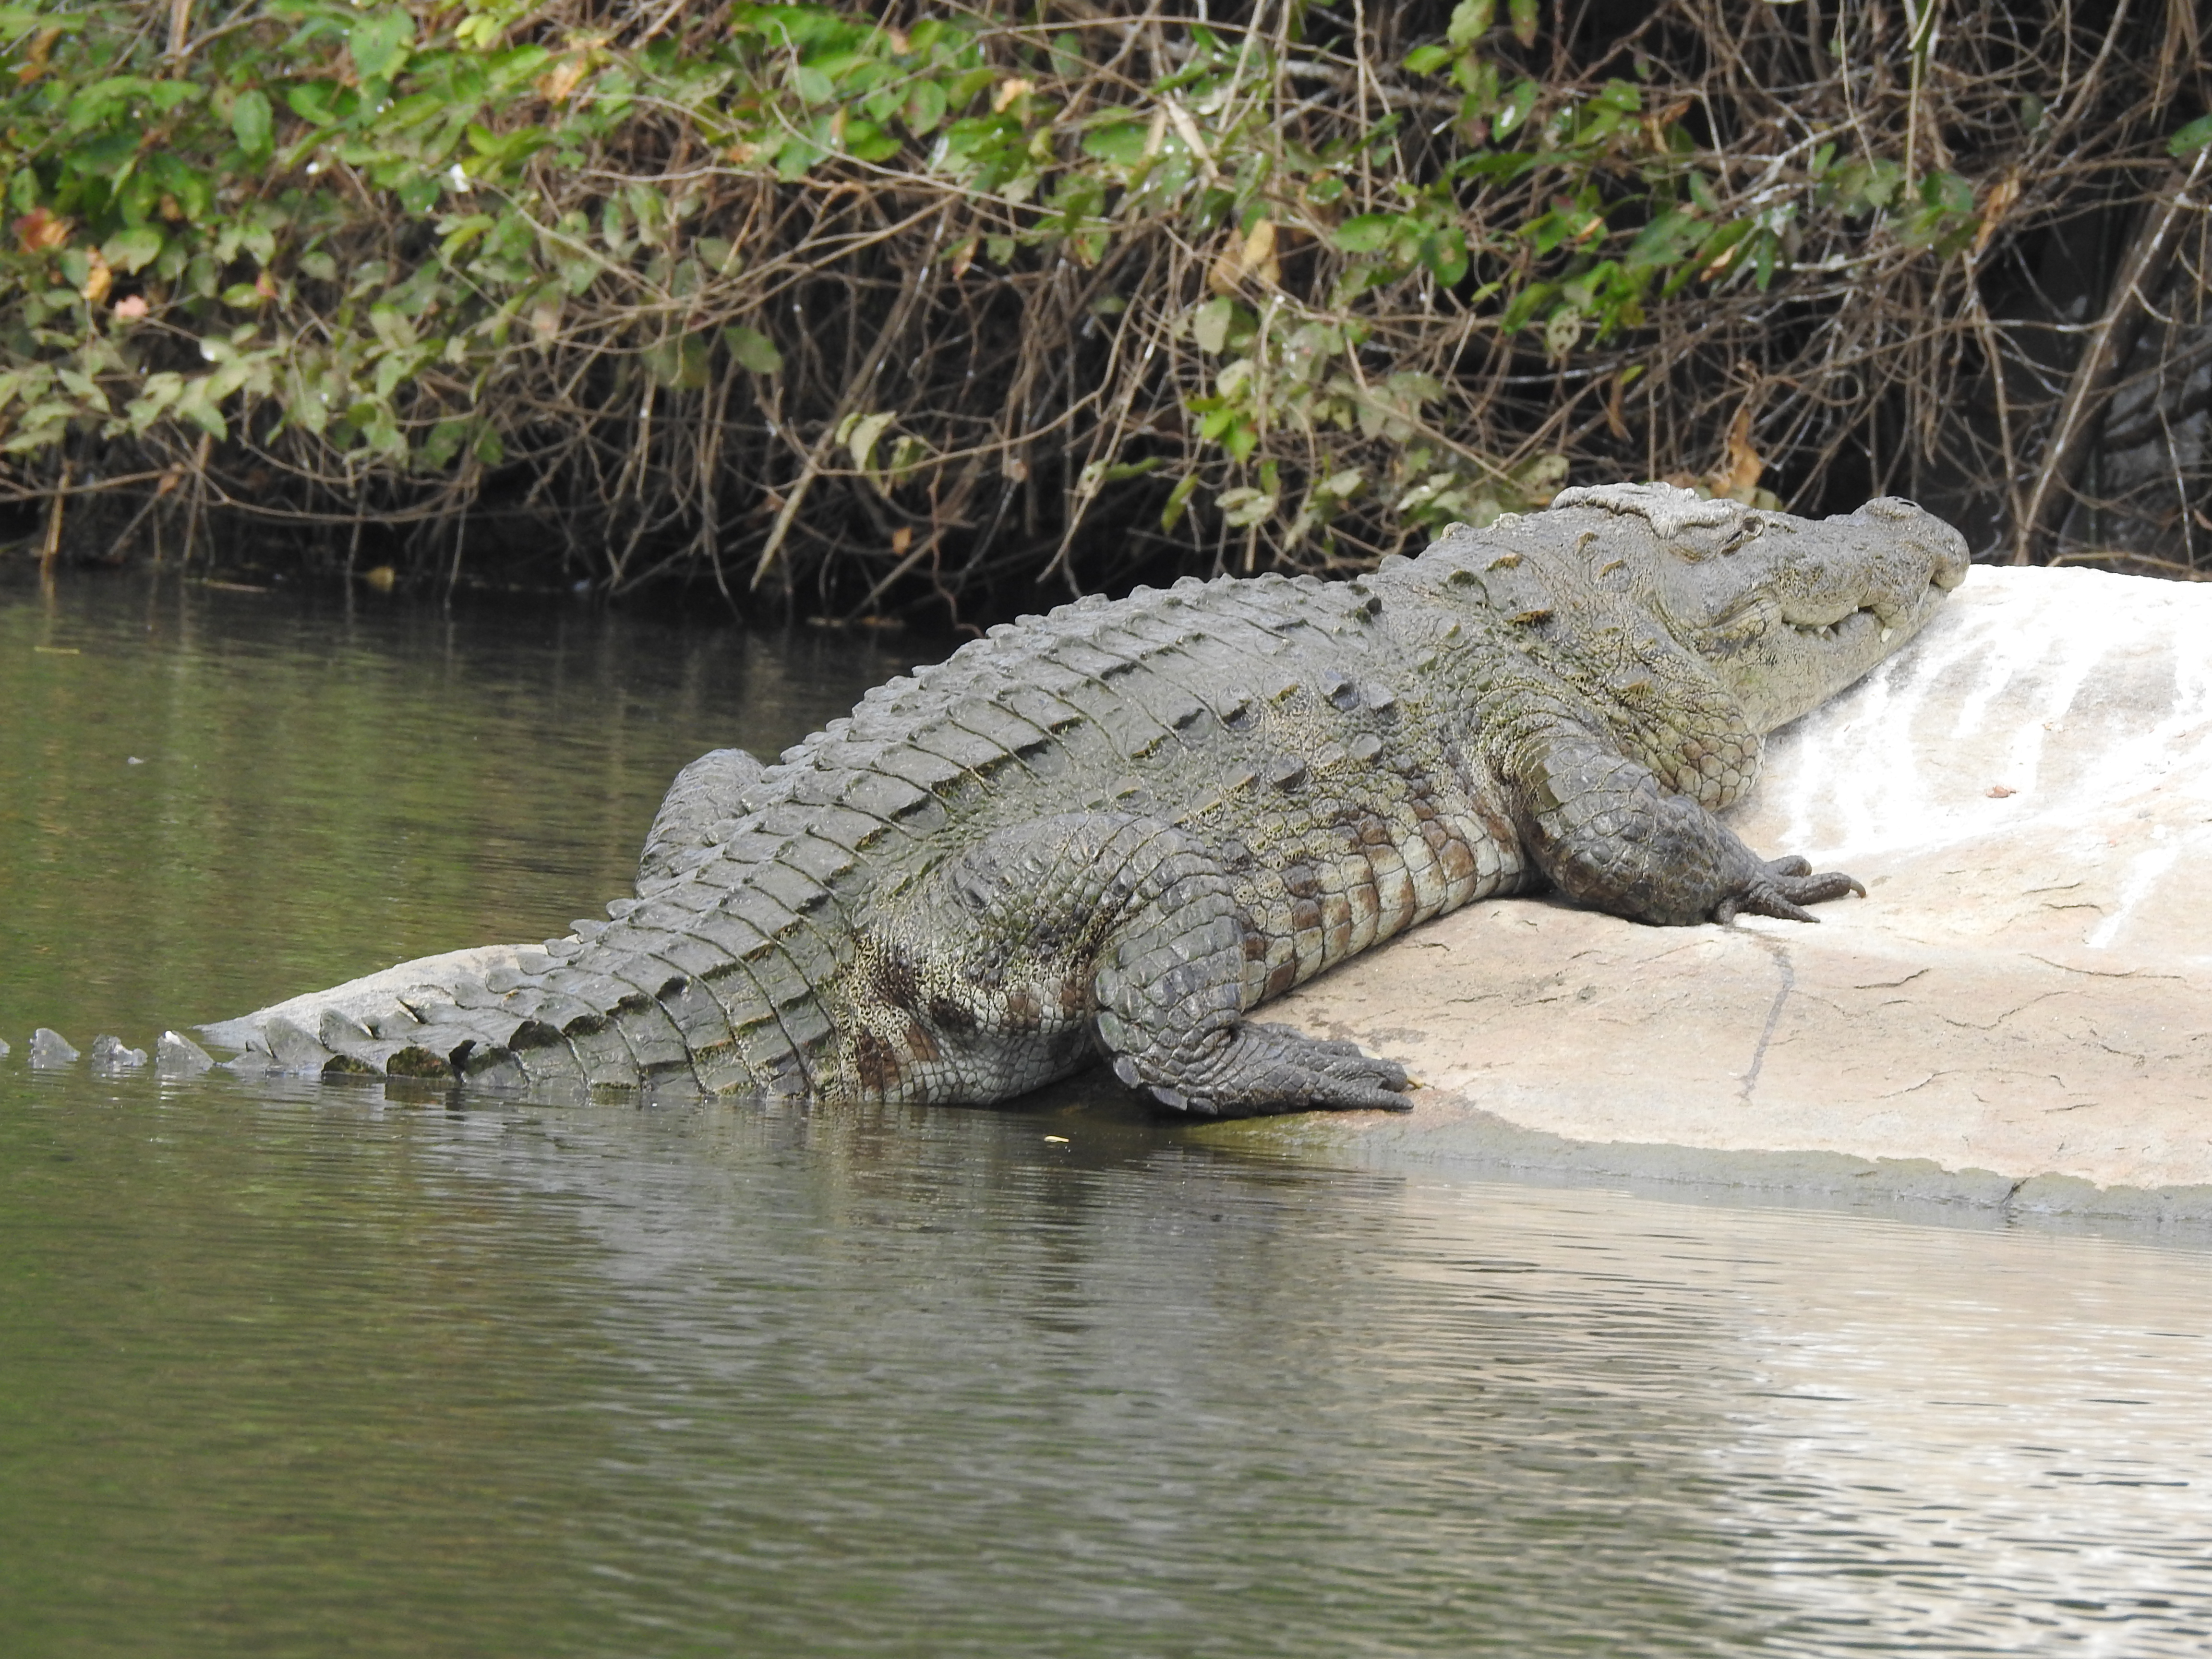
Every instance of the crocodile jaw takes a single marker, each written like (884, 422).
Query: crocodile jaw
(1789, 611)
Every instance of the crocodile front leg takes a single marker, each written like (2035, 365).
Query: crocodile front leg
(1130, 925)
(1610, 836)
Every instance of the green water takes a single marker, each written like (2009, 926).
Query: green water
(295, 1370)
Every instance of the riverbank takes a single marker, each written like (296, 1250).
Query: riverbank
(2018, 1013)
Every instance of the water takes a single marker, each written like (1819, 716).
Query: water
(289, 1369)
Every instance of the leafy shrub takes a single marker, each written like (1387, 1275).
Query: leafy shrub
(849, 306)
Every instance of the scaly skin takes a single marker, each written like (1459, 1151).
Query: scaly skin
(1119, 829)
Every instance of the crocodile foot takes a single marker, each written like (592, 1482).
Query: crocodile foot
(1783, 888)
(1262, 1069)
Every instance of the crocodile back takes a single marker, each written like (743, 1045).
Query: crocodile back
(1257, 712)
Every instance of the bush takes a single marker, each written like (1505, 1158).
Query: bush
(849, 309)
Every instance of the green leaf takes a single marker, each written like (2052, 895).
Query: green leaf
(1245, 508)
(1525, 15)
(1518, 103)
(379, 43)
(679, 364)
(195, 406)
(442, 445)
(20, 19)
(1525, 304)
(391, 327)
(1444, 253)
(867, 142)
(1427, 60)
(1367, 232)
(963, 91)
(1209, 324)
(1122, 142)
(859, 435)
(1122, 470)
(313, 101)
(1178, 499)
(1470, 21)
(133, 249)
(797, 156)
(753, 349)
(925, 107)
(1663, 241)
(2191, 138)
(459, 233)
(251, 123)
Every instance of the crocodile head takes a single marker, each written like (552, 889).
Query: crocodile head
(1786, 611)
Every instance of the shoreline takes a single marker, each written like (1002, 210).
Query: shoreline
(2019, 1015)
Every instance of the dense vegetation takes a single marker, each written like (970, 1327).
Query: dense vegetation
(849, 309)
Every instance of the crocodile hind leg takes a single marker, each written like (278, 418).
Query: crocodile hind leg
(1131, 924)
(1169, 985)
(704, 794)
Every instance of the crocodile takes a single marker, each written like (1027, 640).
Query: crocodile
(1116, 829)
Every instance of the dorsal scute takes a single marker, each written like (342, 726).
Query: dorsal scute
(1019, 683)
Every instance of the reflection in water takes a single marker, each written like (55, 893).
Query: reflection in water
(302, 1368)
(296, 1369)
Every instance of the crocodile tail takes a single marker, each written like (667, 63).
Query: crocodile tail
(646, 1004)
(702, 983)
(575, 1027)
(656, 1000)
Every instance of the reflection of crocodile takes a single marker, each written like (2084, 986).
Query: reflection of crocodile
(1121, 827)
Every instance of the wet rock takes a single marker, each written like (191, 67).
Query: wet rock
(49, 1050)
(180, 1057)
(109, 1054)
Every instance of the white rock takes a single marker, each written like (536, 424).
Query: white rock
(2026, 791)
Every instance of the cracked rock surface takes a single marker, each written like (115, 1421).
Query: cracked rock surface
(2026, 990)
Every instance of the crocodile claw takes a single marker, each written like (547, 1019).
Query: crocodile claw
(1783, 889)
(1266, 1069)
